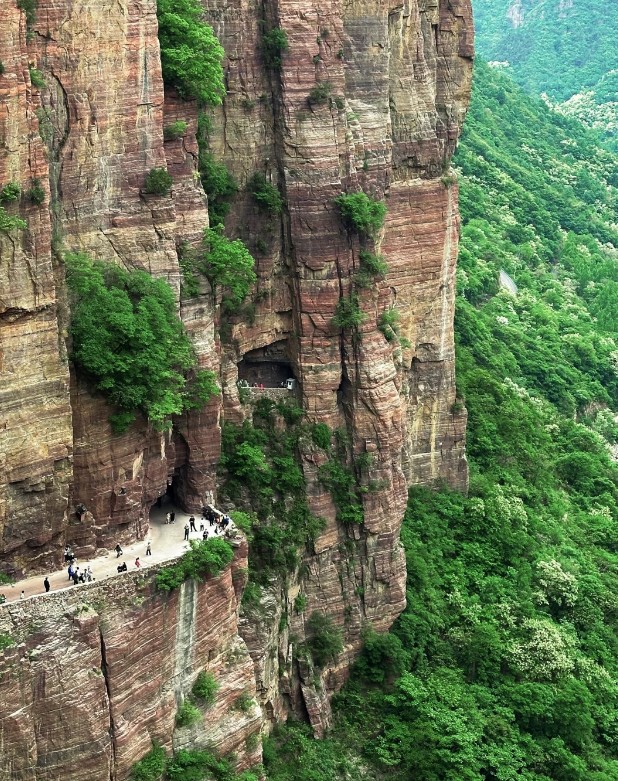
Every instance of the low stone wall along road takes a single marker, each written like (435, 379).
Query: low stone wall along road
(166, 540)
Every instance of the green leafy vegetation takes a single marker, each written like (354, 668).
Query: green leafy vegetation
(37, 79)
(324, 639)
(320, 93)
(274, 46)
(205, 688)
(313, 760)
(36, 192)
(187, 714)
(10, 192)
(372, 267)
(504, 664)
(361, 214)
(389, 324)
(265, 194)
(261, 473)
(348, 314)
(10, 223)
(158, 181)
(191, 55)
(6, 641)
(187, 766)
(219, 185)
(244, 702)
(201, 765)
(565, 50)
(205, 558)
(150, 767)
(321, 435)
(343, 486)
(175, 130)
(229, 266)
(29, 8)
(130, 345)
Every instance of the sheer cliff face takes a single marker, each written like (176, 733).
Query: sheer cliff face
(99, 673)
(399, 80)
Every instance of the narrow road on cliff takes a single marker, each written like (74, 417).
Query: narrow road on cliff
(166, 540)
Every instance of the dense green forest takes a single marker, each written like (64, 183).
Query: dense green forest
(504, 664)
(564, 49)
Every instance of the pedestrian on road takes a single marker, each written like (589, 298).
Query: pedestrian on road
(205, 534)
(168, 518)
(137, 564)
(23, 594)
(75, 578)
(118, 550)
(148, 551)
(192, 522)
(46, 584)
(186, 531)
(70, 570)
(172, 517)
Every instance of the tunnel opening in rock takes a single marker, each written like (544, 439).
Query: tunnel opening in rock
(269, 366)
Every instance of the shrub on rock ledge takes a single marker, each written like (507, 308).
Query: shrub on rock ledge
(361, 213)
(205, 557)
(158, 182)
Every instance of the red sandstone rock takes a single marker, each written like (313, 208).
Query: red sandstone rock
(399, 84)
(99, 673)
(400, 81)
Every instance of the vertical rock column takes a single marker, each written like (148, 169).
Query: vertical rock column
(371, 97)
(35, 418)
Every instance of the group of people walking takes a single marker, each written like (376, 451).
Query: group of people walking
(77, 576)
(212, 522)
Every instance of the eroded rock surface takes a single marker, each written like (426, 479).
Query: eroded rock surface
(395, 82)
(99, 672)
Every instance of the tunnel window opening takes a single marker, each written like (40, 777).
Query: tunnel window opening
(268, 366)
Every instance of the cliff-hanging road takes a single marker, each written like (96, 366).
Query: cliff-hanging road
(167, 543)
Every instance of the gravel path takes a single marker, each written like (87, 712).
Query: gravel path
(167, 542)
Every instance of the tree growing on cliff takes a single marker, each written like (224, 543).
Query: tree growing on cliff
(274, 45)
(129, 343)
(191, 55)
(204, 558)
(361, 213)
(230, 266)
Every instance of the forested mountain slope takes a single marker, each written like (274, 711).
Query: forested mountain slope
(505, 662)
(564, 49)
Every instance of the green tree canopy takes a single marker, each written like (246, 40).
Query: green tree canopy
(129, 343)
(230, 266)
(191, 55)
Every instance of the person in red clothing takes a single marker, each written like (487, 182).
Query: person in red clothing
(137, 564)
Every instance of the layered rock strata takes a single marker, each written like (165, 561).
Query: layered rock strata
(393, 83)
(36, 441)
(392, 87)
(98, 673)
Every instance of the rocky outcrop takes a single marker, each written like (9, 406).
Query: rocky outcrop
(93, 132)
(35, 429)
(393, 86)
(98, 673)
